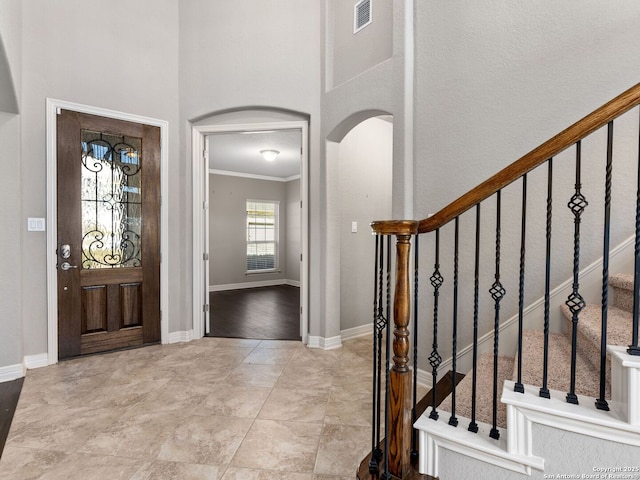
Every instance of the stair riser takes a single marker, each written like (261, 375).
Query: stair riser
(623, 299)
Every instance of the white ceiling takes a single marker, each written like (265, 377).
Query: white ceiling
(239, 152)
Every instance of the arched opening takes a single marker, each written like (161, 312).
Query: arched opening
(215, 136)
(359, 174)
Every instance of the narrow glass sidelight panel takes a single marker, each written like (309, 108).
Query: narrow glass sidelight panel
(111, 200)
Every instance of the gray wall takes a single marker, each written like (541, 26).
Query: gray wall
(365, 196)
(484, 97)
(349, 55)
(227, 228)
(54, 56)
(13, 226)
(181, 62)
(502, 78)
(377, 90)
(13, 231)
(250, 55)
(294, 230)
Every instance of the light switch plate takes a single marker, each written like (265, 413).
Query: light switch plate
(354, 227)
(35, 224)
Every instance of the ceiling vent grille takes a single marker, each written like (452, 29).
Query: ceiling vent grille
(361, 15)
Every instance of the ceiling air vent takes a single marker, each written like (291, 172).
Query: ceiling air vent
(361, 15)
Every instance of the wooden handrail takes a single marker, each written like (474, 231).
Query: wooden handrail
(395, 227)
(579, 130)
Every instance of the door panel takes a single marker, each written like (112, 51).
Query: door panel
(108, 234)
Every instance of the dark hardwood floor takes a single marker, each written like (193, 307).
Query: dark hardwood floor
(267, 313)
(9, 394)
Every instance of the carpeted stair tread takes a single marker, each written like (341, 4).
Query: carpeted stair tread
(590, 326)
(622, 285)
(484, 390)
(559, 365)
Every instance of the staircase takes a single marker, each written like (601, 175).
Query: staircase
(549, 400)
(559, 358)
(588, 356)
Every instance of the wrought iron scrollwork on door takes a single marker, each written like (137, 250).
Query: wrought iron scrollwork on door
(111, 201)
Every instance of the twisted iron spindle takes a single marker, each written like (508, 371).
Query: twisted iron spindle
(414, 413)
(386, 475)
(518, 386)
(378, 328)
(634, 348)
(575, 302)
(544, 390)
(473, 426)
(434, 358)
(601, 403)
(453, 420)
(497, 292)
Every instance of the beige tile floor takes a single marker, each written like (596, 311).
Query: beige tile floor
(220, 409)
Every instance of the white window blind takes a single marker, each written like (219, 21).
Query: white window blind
(262, 236)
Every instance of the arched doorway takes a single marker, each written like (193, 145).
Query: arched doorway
(241, 123)
(359, 168)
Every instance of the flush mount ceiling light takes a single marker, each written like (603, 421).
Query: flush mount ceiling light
(269, 155)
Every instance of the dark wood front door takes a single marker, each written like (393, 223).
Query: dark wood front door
(108, 247)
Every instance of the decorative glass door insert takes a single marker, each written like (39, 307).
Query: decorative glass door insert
(111, 201)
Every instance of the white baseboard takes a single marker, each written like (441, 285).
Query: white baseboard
(11, 372)
(256, 284)
(178, 337)
(354, 332)
(425, 378)
(324, 343)
(239, 286)
(36, 361)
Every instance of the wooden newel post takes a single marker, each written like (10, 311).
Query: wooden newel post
(400, 376)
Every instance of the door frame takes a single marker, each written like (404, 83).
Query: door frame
(53, 105)
(200, 224)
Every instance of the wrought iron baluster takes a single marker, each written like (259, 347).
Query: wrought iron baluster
(386, 475)
(518, 387)
(414, 416)
(378, 328)
(497, 292)
(473, 426)
(544, 390)
(453, 420)
(575, 302)
(434, 358)
(634, 348)
(601, 403)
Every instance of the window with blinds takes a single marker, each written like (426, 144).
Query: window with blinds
(262, 236)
